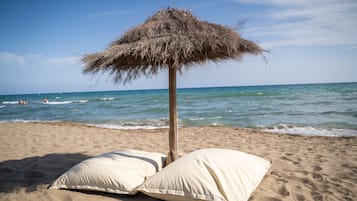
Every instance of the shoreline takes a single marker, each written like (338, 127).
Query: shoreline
(315, 132)
(33, 155)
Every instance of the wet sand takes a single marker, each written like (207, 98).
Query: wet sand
(33, 155)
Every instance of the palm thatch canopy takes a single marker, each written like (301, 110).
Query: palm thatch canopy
(171, 37)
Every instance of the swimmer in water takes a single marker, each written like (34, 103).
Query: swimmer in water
(45, 100)
(23, 102)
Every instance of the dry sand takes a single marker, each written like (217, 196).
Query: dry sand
(32, 155)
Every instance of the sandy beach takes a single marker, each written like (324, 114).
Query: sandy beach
(33, 155)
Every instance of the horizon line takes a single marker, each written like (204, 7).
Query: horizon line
(148, 89)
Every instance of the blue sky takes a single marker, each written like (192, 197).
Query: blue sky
(42, 41)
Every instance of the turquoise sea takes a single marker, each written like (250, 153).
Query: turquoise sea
(310, 109)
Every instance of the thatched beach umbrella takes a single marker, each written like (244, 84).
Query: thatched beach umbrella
(171, 39)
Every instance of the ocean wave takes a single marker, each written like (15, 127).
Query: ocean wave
(202, 118)
(64, 102)
(197, 119)
(10, 102)
(217, 117)
(58, 102)
(113, 126)
(28, 121)
(1, 106)
(107, 99)
(80, 101)
(310, 131)
(135, 124)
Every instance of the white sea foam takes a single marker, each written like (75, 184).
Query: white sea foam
(58, 102)
(202, 118)
(135, 124)
(81, 101)
(216, 124)
(310, 131)
(27, 121)
(217, 117)
(107, 99)
(10, 102)
(128, 127)
(1, 106)
(197, 119)
(64, 102)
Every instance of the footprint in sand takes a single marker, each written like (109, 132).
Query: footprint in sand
(345, 165)
(270, 199)
(343, 190)
(296, 163)
(282, 181)
(290, 160)
(300, 197)
(316, 196)
(317, 177)
(308, 183)
(276, 174)
(283, 191)
(336, 180)
(317, 168)
(347, 198)
(284, 158)
(297, 188)
(354, 170)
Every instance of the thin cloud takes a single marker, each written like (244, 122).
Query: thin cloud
(11, 58)
(61, 61)
(288, 2)
(34, 56)
(307, 23)
(206, 4)
(109, 13)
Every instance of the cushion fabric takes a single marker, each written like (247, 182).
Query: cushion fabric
(208, 174)
(115, 172)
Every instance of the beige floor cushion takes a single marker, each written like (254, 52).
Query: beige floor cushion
(115, 172)
(208, 174)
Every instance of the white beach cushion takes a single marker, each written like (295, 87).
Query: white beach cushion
(208, 174)
(115, 172)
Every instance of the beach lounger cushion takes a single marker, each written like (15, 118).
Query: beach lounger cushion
(208, 174)
(115, 172)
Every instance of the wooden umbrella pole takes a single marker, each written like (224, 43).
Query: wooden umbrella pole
(173, 154)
